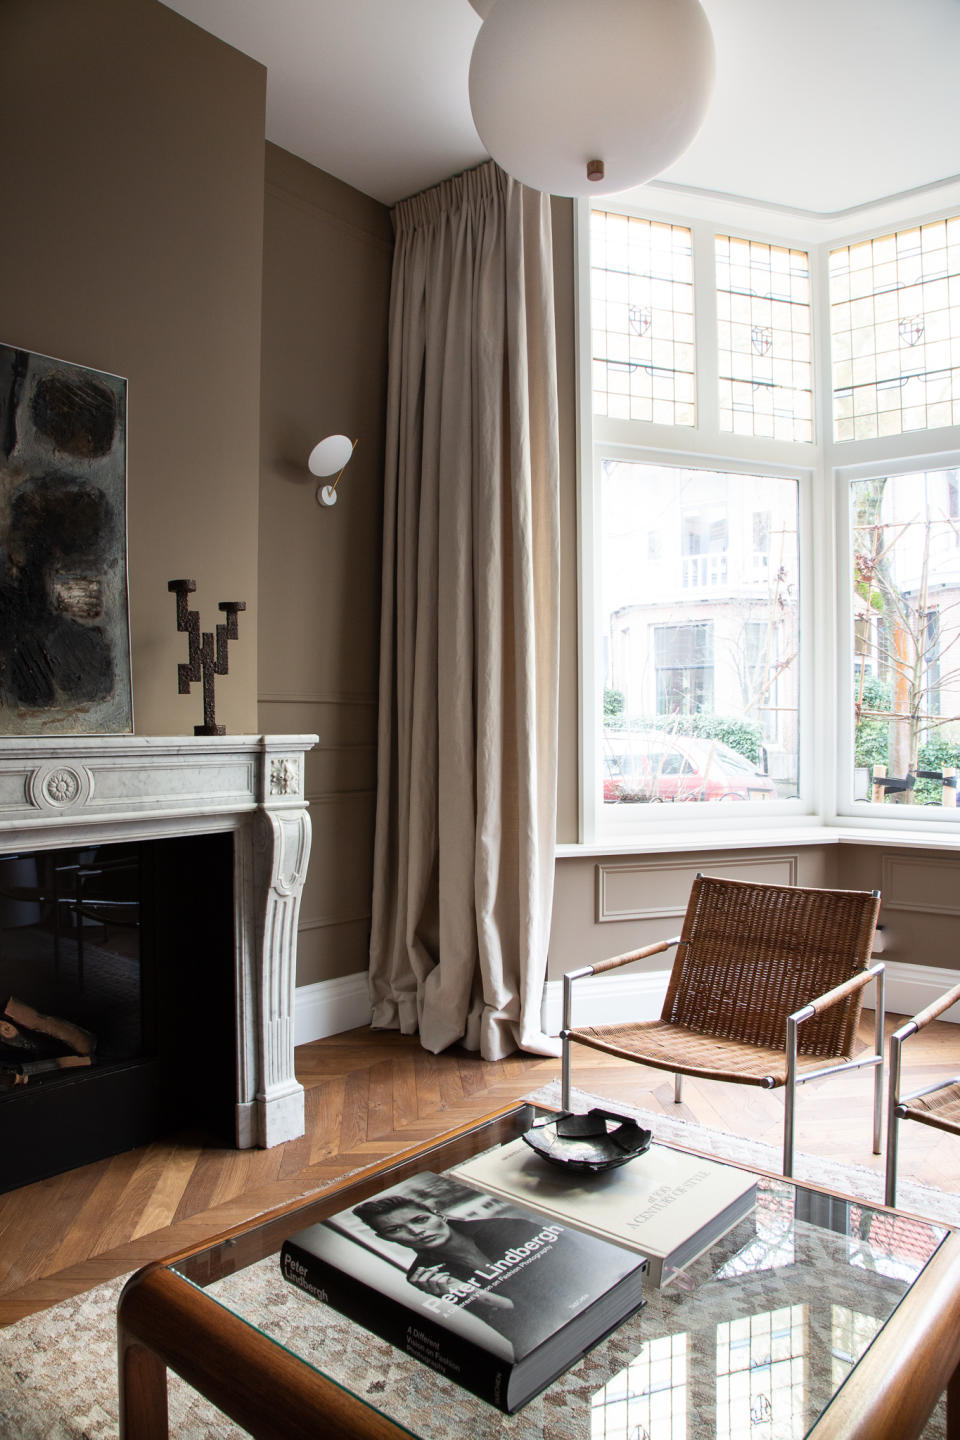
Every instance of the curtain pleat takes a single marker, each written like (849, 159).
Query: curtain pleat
(467, 735)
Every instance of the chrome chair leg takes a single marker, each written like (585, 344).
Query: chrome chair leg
(790, 1099)
(878, 1045)
(893, 1122)
(565, 1072)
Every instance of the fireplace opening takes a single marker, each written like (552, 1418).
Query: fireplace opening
(116, 1000)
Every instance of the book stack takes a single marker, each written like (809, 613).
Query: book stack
(502, 1273)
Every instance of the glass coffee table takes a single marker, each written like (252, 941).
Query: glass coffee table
(815, 1316)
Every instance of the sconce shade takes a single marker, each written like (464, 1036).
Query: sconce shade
(557, 86)
(330, 455)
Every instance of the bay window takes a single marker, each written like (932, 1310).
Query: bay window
(770, 522)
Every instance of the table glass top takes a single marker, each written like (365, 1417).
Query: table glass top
(753, 1338)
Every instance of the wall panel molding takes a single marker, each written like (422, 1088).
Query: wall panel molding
(331, 797)
(327, 922)
(360, 697)
(922, 883)
(622, 887)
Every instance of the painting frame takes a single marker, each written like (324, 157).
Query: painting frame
(65, 655)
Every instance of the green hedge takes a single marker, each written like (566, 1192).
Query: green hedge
(871, 745)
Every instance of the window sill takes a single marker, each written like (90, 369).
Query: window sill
(887, 836)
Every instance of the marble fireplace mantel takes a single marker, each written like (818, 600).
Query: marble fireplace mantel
(70, 791)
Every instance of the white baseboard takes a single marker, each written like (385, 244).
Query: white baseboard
(330, 1007)
(601, 1000)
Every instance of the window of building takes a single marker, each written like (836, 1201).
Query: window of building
(683, 656)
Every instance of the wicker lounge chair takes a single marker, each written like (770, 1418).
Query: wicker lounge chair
(937, 1104)
(766, 989)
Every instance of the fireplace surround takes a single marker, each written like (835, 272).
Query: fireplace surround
(96, 790)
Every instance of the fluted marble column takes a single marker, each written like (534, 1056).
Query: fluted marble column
(271, 866)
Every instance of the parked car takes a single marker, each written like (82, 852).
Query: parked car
(648, 766)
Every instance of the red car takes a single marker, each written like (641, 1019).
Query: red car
(644, 767)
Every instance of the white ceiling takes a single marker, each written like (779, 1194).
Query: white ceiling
(821, 105)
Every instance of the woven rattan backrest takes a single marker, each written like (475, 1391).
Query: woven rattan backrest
(751, 954)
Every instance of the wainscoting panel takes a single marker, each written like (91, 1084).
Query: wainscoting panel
(335, 769)
(921, 882)
(330, 949)
(659, 889)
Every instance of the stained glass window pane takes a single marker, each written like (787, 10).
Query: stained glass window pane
(642, 320)
(895, 332)
(763, 340)
(762, 1375)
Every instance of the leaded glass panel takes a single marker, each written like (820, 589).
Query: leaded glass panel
(765, 364)
(895, 332)
(642, 320)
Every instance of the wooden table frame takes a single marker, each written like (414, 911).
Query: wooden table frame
(164, 1322)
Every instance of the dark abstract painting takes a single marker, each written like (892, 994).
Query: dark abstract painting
(64, 629)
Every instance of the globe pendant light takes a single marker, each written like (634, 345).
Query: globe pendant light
(589, 97)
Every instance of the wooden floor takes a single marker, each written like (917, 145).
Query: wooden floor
(369, 1094)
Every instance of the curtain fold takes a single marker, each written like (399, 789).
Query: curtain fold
(467, 734)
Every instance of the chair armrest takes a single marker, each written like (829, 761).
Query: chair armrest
(601, 965)
(625, 959)
(838, 993)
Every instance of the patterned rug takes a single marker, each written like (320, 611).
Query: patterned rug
(58, 1368)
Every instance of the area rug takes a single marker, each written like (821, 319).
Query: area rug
(858, 1181)
(58, 1368)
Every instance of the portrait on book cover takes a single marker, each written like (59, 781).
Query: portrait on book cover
(459, 1253)
(64, 626)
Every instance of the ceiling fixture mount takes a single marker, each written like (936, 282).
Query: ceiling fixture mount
(589, 97)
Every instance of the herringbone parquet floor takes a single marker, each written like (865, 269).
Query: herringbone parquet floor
(369, 1095)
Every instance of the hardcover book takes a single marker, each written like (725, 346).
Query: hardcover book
(668, 1204)
(495, 1296)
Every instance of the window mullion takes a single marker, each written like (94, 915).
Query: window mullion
(705, 329)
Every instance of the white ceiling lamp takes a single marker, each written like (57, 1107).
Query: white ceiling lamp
(589, 97)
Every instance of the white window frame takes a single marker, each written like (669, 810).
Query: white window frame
(823, 469)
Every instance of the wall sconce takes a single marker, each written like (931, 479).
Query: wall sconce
(329, 456)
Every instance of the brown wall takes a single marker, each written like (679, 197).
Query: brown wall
(132, 185)
(145, 234)
(327, 257)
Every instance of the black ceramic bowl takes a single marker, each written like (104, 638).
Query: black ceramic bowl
(598, 1140)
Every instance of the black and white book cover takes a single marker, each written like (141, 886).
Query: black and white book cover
(495, 1295)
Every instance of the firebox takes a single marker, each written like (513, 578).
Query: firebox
(115, 961)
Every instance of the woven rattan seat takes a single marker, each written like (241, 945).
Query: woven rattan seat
(674, 1047)
(941, 1109)
(766, 989)
(937, 1104)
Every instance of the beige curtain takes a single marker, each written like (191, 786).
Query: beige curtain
(466, 803)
